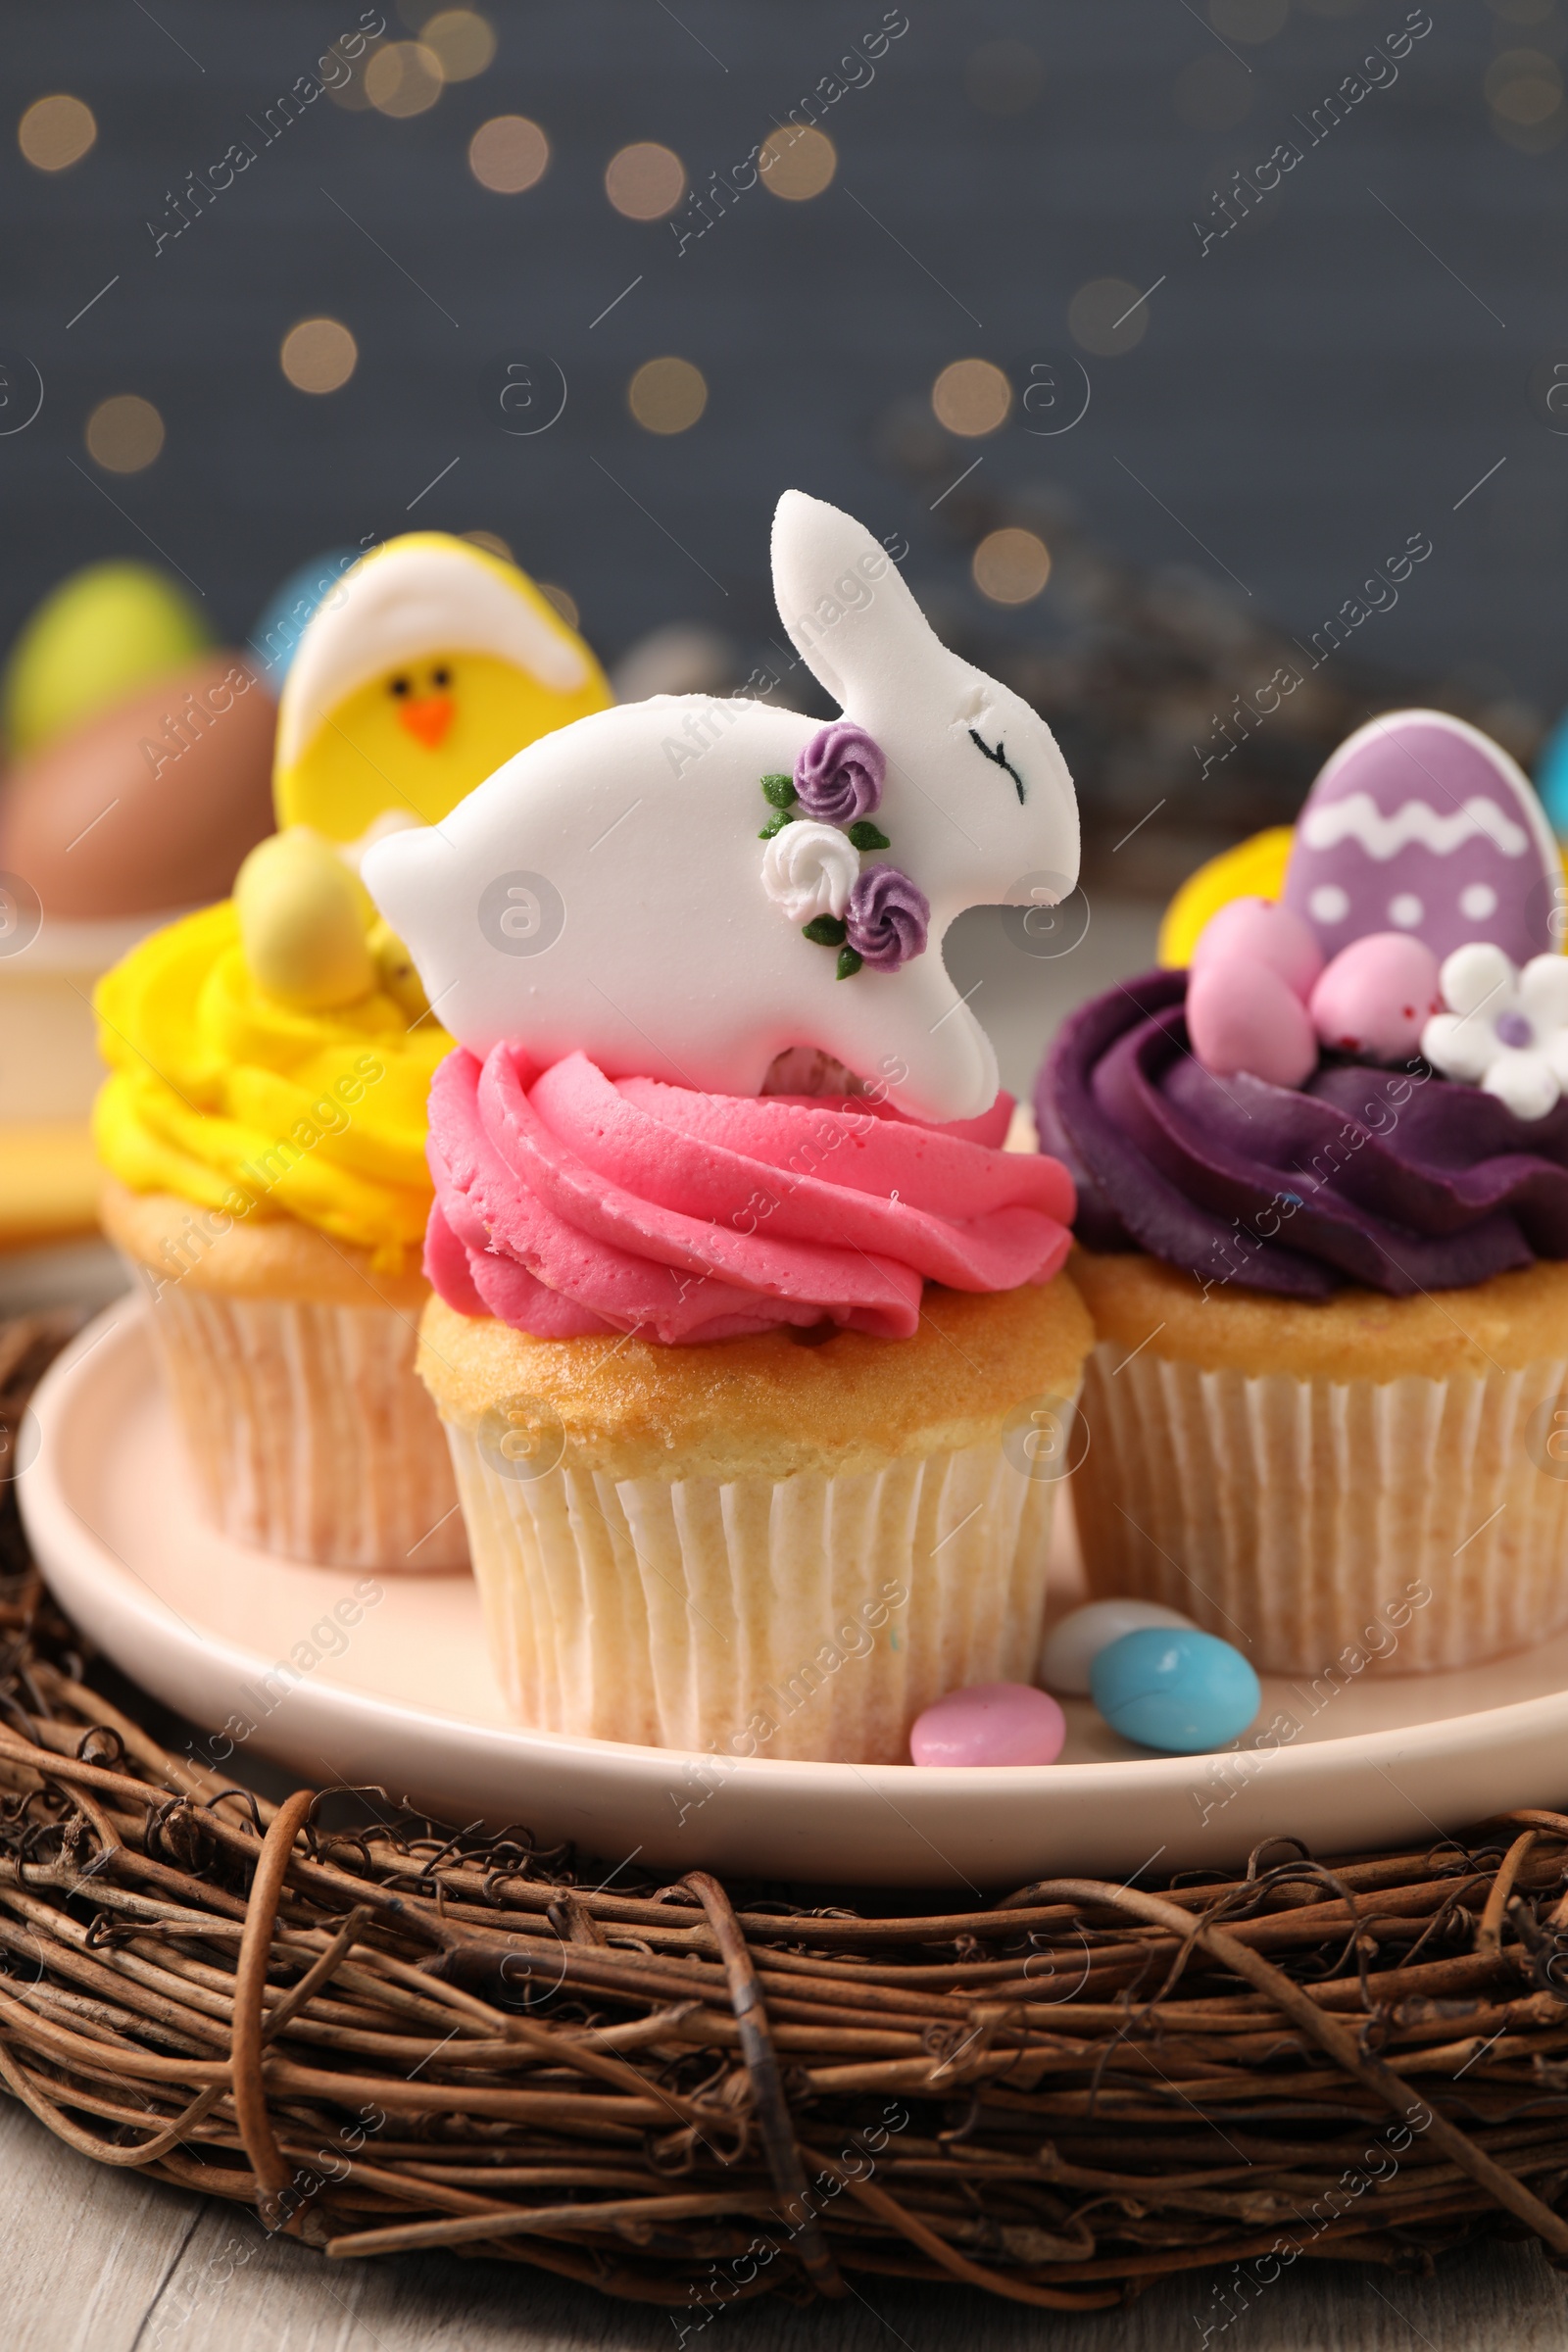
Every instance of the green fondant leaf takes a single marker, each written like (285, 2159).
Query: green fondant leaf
(825, 929)
(866, 836)
(776, 824)
(848, 963)
(780, 790)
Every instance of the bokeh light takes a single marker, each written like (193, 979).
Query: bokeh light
(1248, 20)
(56, 132)
(564, 602)
(666, 395)
(462, 40)
(796, 164)
(403, 79)
(1010, 567)
(1106, 317)
(645, 181)
(124, 434)
(318, 354)
(1213, 92)
(492, 543)
(1004, 77)
(971, 397)
(1524, 86)
(509, 154)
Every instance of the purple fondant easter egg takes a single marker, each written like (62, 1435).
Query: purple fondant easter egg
(1377, 995)
(990, 1723)
(1266, 932)
(1420, 824)
(1241, 1016)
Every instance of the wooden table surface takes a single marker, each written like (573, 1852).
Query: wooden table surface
(98, 2260)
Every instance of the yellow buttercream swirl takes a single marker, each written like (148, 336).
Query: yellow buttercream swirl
(228, 1099)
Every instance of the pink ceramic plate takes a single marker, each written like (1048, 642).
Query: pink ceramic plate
(405, 1697)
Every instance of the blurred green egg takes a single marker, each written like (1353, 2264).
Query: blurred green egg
(96, 637)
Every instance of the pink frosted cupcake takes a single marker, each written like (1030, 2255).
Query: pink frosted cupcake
(757, 1374)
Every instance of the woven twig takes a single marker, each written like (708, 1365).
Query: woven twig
(392, 2034)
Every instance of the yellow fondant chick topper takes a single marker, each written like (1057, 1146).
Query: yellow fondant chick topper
(425, 669)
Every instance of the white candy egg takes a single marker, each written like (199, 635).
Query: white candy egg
(1076, 1640)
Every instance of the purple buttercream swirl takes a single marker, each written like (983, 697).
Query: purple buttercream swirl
(839, 775)
(1396, 1180)
(887, 918)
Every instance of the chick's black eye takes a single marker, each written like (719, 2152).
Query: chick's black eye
(441, 676)
(400, 686)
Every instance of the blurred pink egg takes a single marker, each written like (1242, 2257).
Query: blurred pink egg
(990, 1723)
(1264, 932)
(1241, 1016)
(1377, 995)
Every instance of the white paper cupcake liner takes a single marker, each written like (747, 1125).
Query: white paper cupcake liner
(811, 1616)
(1298, 1517)
(307, 1432)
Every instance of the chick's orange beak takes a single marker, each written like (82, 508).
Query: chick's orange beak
(428, 718)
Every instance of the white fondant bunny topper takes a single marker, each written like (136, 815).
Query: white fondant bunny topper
(607, 890)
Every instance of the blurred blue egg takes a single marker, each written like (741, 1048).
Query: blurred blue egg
(1174, 1689)
(274, 640)
(1552, 777)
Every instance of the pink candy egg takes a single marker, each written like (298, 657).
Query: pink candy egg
(1261, 931)
(990, 1723)
(1241, 1016)
(1376, 995)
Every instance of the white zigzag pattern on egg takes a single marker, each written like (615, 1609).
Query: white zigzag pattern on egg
(1357, 817)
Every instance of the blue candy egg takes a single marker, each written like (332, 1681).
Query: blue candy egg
(1174, 1689)
(274, 640)
(1552, 777)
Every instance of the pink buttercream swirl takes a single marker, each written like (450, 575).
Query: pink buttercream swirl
(567, 1202)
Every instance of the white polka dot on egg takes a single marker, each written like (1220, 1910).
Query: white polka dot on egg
(1329, 904)
(1405, 910)
(1477, 901)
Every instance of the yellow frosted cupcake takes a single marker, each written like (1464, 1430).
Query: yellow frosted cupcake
(268, 1183)
(264, 1124)
(752, 1341)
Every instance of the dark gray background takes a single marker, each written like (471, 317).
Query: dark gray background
(1315, 389)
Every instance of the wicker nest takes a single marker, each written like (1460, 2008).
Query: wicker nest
(390, 2035)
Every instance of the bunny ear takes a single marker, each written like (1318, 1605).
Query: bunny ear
(848, 614)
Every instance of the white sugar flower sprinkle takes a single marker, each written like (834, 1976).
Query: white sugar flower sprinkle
(809, 870)
(1505, 1031)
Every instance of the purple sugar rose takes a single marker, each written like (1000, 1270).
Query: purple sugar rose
(838, 776)
(887, 918)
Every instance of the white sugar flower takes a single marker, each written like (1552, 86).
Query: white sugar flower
(808, 869)
(1505, 1031)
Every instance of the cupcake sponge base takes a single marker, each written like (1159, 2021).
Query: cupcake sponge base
(808, 1616)
(758, 1546)
(1369, 1482)
(290, 1364)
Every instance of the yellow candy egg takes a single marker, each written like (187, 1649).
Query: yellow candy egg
(303, 921)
